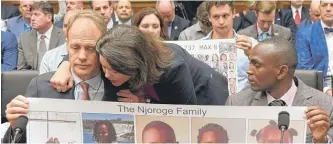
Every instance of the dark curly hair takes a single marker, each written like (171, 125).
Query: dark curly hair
(111, 130)
(219, 130)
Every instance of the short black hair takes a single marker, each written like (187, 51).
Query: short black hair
(170, 133)
(43, 6)
(92, 1)
(216, 128)
(283, 50)
(111, 130)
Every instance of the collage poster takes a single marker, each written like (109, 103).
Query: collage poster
(74, 121)
(219, 54)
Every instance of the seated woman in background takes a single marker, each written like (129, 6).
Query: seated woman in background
(149, 21)
(142, 68)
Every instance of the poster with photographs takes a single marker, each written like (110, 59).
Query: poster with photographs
(219, 54)
(74, 121)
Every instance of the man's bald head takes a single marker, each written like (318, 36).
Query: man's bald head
(166, 8)
(158, 132)
(314, 10)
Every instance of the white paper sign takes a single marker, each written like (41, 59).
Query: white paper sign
(74, 121)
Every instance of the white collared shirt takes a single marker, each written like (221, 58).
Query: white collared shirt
(288, 97)
(47, 38)
(329, 42)
(109, 24)
(299, 11)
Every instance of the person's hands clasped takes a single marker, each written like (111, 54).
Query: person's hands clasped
(319, 123)
(17, 107)
(62, 80)
(244, 43)
(127, 96)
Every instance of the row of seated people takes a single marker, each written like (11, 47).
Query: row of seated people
(133, 65)
(33, 45)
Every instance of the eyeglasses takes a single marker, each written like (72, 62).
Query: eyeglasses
(26, 6)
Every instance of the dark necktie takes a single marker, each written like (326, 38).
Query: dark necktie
(328, 30)
(277, 103)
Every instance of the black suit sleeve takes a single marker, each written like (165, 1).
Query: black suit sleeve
(180, 85)
(30, 92)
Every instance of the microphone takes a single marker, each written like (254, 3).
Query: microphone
(19, 127)
(283, 122)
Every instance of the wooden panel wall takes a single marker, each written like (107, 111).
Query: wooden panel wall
(139, 4)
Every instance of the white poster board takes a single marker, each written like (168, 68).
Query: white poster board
(74, 121)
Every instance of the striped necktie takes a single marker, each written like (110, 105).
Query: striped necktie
(277, 103)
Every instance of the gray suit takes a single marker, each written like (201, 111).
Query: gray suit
(27, 58)
(278, 30)
(305, 96)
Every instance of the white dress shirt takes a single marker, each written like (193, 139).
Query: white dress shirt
(47, 38)
(109, 24)
(288, 97)
(299, 11)
(329, 42)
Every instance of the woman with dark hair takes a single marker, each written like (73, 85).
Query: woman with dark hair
(104, 132)
(149, 21)
(142, 68)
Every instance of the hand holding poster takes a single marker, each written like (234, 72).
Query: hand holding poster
(219, 54)
(71, 121)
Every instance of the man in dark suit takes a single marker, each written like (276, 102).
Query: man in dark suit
(90, 83)
(70, 4)
(44, 36)
(314, 15)
(174, 24)
(8, 11)
(124, 12)
(264, 28)
(282, 18)
(8, 51)
(271, 76)
(299, 12)
(105, 8)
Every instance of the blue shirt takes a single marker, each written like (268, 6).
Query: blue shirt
(52, 59)
(9, 51)
(242, 63)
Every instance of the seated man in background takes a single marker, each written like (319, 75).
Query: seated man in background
(265, 27)
(314, 45)
(173, 24)
(19, 24)
(105, 8)
(314, 15)
(44, 36)
(271, 75)
(70, 4)
(8, 51)
(89, 81)
(124, 12)
(199, 29)
(224, 11)
(53, 58)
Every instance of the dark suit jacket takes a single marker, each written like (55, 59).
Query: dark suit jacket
(178, 25)
(8, 11)
(27, 58)
(209, 86)
(8, 51)
(40, 87)
(304, 15)
(305, 96)
(282, 18)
